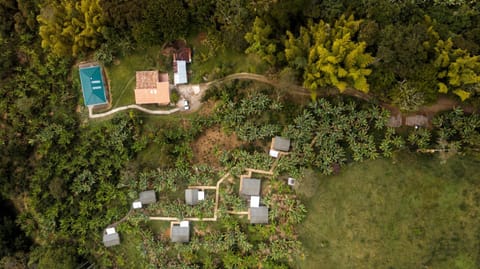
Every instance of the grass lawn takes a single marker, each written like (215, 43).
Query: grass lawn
(414, 213)
(122, 73)
(225, 63)
(131, 252)
(213, 63)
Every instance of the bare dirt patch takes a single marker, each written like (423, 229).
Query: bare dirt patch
(211, 143)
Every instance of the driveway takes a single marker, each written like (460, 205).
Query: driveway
(191, 92)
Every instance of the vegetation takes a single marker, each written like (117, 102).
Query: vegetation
(408, 214)
(327, 55)
(68, 178)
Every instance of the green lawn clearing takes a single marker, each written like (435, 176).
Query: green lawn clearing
(410, 213)
(122, 73)
(215, 62)
(131, 253)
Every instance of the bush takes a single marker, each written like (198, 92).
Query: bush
(104, 54)
(174, 97)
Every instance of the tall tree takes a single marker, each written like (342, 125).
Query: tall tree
(459, 72)
(162, 21)
(69, 27)
(261, 43)
(330, 55)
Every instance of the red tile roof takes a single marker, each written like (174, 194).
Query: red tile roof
(152, 88)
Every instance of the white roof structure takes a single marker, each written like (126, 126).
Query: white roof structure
(137, 205)
(110, 230)
(254, 201)
(180, 77)
(291, 181)
(184, 223)
(274, 153)
(201, 195)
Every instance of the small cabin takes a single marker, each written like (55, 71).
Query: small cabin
(147, 197)
(279, 144)
(250, 186)
(258, 215)
(111, 237)
(194, 196)
(180, 232)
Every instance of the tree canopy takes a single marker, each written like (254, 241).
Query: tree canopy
(69, 27)
(330, 55)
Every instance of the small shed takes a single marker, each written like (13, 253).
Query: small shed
(254, 201)
(136, 204)
(279, 144)
(180, 72)
(250, 186)
(111, 237)
(180, 232)
(395, 120)
(416, 120)
(193, 196)
(148, 197)
(183, 54)
(258, 215)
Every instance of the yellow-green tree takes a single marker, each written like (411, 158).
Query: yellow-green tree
(261, 43)
(68, 27)
(329, 55)
(458, 71)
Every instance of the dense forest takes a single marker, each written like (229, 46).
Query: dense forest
(63, 179)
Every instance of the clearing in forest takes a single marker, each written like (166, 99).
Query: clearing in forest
(412, 212)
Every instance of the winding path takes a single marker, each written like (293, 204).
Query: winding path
(118, 109)
(442, 104)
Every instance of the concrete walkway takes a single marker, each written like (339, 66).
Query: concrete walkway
(118, 109)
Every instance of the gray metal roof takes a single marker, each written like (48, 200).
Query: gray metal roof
(111, 239)
(280, 143)
(148, 197)
(259, 214)
(181, 76)
(250, 186)
(180, 234)
(191, 196)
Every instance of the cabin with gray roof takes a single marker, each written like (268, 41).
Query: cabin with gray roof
(194, 196)
(250, 186)
(111, 237)
(279, 144)
(148, 197)
(180, 232)
(258, 215)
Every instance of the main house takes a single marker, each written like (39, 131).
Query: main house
(93, 85)
(152, 87)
